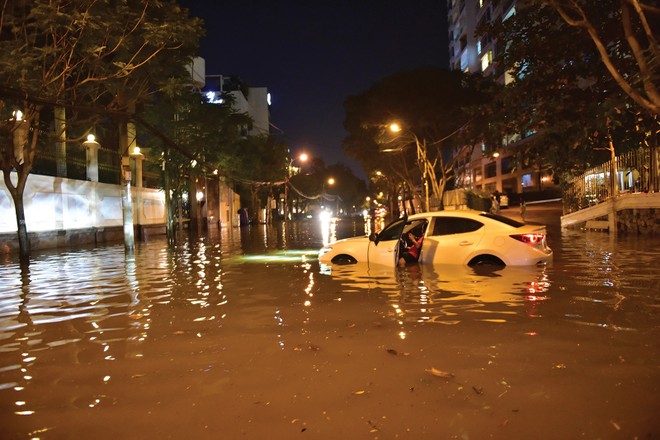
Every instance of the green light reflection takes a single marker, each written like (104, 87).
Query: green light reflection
(283, 256)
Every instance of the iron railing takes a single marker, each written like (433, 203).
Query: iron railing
(634, 171)
(109, 166)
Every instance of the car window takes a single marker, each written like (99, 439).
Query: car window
(454, 225)
(417, 227)
(503, 219)
(392, 231)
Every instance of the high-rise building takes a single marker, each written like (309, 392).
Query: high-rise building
(473, 51)
(469, 52)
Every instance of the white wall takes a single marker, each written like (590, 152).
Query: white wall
(56, 203)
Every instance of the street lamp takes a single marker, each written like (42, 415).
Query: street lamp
(199, 196)
(92, 153)
(331, 182)
(289, 168)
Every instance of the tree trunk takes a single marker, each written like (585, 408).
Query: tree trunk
(23, 238)
(20, 157)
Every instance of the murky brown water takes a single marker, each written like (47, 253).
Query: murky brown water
(244, 335)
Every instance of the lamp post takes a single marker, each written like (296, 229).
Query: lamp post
(331, 182)
(127, 200)
(421, 158)
(92, 152)
(289, 168)
(199, 196)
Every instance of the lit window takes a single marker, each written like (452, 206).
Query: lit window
(486, 60)
(478, 46)
(464, 61)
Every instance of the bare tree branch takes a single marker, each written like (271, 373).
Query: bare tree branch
(574, 15)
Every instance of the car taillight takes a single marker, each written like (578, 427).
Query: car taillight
(529, 238)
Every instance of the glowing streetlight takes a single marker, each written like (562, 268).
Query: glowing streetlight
(91, 153)
(331, 182)
(199, 196)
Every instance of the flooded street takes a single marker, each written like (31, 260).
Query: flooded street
(242, 334)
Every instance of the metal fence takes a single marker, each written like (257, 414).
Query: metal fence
(634, 171)
(74, 166)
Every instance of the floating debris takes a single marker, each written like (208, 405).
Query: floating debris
(310, 347)
(439, 373)
(393, 352)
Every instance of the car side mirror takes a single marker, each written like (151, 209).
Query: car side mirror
(373, 237)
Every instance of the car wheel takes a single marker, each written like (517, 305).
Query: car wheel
(486, 260)
(343, 259)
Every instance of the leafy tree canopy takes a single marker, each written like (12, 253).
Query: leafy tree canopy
(433, 106)
(566, 98)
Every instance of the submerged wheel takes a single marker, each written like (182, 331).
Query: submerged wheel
(486, 261)
(343, 259)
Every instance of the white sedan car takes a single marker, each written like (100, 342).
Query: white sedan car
(450, 237)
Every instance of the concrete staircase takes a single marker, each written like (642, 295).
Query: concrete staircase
(594, 216)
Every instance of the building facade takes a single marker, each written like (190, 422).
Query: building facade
(473, 53)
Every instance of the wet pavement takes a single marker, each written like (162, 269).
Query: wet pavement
(242, 334)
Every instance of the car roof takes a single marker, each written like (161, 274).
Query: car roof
(468, 213)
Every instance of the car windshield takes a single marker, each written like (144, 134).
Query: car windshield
(503, 219)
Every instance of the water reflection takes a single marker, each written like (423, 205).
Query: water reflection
(449, 294)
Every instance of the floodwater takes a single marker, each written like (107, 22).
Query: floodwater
(242, 334)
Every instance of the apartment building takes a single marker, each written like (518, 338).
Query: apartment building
(254, 101)
(473, 53)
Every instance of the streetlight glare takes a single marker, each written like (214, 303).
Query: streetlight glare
(395, 128)
(303, 157)
(331, 181)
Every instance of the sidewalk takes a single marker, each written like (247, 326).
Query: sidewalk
(548, 213)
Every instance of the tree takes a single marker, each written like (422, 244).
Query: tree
(104, 56)
(205, 137)
(634, 44)
(561, 109)
(260, 161)
(437, 111)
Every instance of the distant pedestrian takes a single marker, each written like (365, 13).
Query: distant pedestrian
(523, 209)
(243, 217)
(494, 205)
(497, 197)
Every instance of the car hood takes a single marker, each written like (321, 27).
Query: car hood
(350, 240)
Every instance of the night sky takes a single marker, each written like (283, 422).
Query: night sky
(312, 54)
